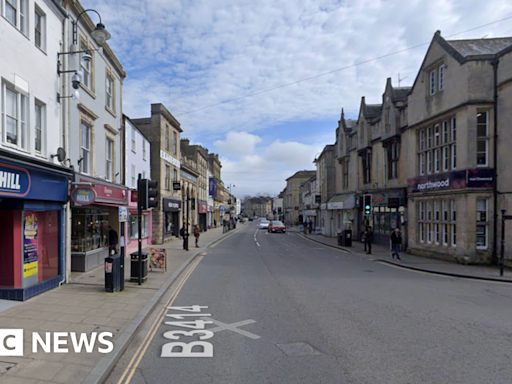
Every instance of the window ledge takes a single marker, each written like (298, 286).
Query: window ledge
(89, 91)
(110, 111)
(16, 148)
(41, 49)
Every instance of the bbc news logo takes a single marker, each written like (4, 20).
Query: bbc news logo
(11, 342)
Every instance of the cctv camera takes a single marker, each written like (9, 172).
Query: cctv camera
(76, 80)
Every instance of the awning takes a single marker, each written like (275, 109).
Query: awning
(342, 202)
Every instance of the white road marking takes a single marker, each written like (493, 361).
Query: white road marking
(232, 327)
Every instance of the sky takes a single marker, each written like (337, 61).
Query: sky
(262, 82)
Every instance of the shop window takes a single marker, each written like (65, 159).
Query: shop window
(133, 228)
(453, 223)
(89, 230)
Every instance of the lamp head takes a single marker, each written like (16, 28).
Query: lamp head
(100, 34)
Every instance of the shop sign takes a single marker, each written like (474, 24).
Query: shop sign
(212, 187)
(203, 208)
(20, 182)
(170, 159)
(170, 205)
(30, 246)
(105, 192)
(471, 178)
(83, 195)
(188, 176)
(176, 186)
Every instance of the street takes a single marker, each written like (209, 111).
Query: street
(284, 309)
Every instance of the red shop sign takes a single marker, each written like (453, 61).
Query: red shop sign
(203, 208)
(106, 193)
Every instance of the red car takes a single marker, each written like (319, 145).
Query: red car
(276, 226)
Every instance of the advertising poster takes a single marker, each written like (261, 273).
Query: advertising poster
(30, 256)
(158, 259)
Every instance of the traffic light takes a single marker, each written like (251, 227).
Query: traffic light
(147, 193)
(367, 204)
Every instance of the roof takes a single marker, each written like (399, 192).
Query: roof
(302, 175)
(480, 47)
(400, 93)
(373, 111)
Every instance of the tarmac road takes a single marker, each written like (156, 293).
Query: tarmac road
(312, 314)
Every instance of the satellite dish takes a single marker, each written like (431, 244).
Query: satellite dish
(61, 154)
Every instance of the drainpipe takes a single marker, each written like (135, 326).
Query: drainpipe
(494, 64)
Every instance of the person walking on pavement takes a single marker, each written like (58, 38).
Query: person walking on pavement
(310, 225)
(368, 239)
(396, 243)
(184, 234)
(196, 234)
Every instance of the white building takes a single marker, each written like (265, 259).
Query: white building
(33, 179)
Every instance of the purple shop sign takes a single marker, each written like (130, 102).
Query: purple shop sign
(470, 178)
(481, 178)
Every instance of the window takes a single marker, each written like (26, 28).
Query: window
(133, 228)
(175, 175)
(429, 162)
(134, 179)
(422, 140)
(134, 144)
(109, 154)
(445, 132)
(39, 125)
(109, 92)
(441, 77)
(445, 158)
(367, 166)
(437, 160)
(85, 65)
(429, 137)
(346, 165)
(39, 28)
(453, 219)
(482, 225)
(437, 136)
(445, 222)
(482, 139)
(421, 221)
(143, 149)
(454, 129)
(433, 82)
(14, 116)
(86, 148)
(422, 164)
(167, 177)
(175, 143)
(167, 138)
(393, 154)
(436, 148)
(453, 152)
(16, 12)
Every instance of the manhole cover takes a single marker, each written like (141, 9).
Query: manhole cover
(298, 349)
(4, 367)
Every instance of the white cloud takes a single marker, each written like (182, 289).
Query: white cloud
(192, 54)
(237, 143)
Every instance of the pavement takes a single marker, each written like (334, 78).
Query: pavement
(83, 306)
(381, 253)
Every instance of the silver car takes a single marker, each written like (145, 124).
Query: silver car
(264, 224)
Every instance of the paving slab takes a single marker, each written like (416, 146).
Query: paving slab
(83, 306)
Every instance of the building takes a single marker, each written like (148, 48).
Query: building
(215, 188)
(163, 132)
(260, 206)
(453, 151)
(92, 135)
(277, 205)
(291, 202)
(310, 200)
(136, 152)
(189, 187)
(326, 183)
(34, 166)
(196, 154)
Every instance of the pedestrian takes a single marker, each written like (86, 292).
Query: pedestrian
(113, 240)
(368, 239)
(396, 243)
(196, 234)
(310, 225)
(184, 234)
(215, 223)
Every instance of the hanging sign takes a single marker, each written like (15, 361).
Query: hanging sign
(83, 195)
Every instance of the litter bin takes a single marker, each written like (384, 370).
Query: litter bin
(134, 267)
(113, 273)
(347, 237)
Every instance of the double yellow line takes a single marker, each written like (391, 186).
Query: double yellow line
(137, 357)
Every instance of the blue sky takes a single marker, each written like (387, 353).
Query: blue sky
(211, 62)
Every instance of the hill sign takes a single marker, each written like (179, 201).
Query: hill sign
(83, 195)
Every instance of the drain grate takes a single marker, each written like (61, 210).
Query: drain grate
(4, 367)
(298, 349)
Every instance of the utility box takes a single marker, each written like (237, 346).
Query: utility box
(113, 273)
(134, 267)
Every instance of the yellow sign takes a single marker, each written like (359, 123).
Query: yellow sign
(30, 269)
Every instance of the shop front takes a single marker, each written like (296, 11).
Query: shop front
(132, 224)
(172, 209)
(33, 200)
(388, 212)
(341, 213)
(95, 214)
(203, 213)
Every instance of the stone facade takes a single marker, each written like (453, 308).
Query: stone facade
(291, 202)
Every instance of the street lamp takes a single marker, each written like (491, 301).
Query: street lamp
(100, 34)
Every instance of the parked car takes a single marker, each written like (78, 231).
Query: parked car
(264, 223)
(251, 219)
(276, 226)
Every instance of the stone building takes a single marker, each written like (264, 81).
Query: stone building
(291, 202)
(163, 131)
(453, 150)
(326, 184)
(260, 206)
